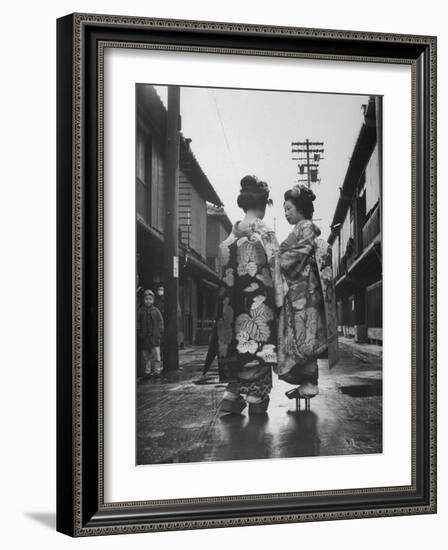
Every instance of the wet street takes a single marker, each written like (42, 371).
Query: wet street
(178, 418)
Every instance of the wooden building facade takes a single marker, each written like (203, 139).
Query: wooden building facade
(198, 276)
(356, 235)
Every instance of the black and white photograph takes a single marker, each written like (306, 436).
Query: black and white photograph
(258, 274)
(227, 216)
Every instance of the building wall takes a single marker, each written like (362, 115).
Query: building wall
(374, 299)
(372, 181)
(184, 208)
(363, 210)
(193, 311)
(143, 173)
(213, 236)
(199, 228)
(196, 300)
(192, 207)
(335, 257)
(359, 294)
(346, 232)
(150, 175)
(157, 187)
(216, 233)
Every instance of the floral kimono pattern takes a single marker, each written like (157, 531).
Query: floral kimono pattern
(246, 325)
(307, 323)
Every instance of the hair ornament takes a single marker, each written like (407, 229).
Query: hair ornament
(302, 191)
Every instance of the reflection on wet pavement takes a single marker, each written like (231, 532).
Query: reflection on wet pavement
(178, 418)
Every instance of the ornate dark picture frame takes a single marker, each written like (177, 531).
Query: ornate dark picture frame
(81, 40)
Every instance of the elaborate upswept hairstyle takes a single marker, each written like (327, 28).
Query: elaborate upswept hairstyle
(253, 194)
(302, 198)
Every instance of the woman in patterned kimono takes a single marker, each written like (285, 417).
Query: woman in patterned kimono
(307, 323)
(246, 325)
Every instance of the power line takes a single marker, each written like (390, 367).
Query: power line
(220, 121)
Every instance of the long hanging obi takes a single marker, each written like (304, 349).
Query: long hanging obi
(246, 325)
(308, 322)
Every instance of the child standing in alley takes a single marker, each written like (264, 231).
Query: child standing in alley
(150, 332)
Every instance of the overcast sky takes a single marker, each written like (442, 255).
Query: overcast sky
(240, 132)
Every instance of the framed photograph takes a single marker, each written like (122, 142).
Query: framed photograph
(246, 274)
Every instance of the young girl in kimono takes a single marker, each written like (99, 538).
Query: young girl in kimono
(246, 324)
(307, 323)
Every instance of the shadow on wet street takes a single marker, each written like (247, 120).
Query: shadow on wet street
(241, 437)
(300, 434)
(178, 417)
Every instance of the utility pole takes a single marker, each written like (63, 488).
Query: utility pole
(171, 235)
(308, 162)
(309, 154)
